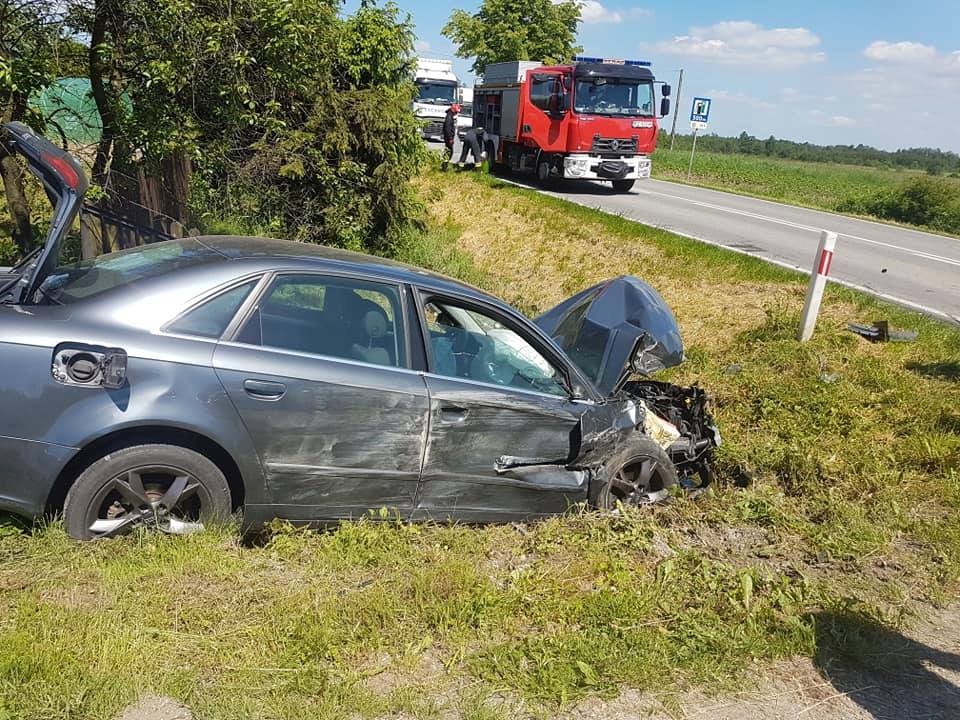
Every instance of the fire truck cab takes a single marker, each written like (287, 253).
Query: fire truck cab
(594, 119)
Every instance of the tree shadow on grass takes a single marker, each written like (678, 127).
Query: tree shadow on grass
(886, 673)
(947, 370)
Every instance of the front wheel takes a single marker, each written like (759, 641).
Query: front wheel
(544, 176)
(639, 473)
(158, 487)
(622, 186)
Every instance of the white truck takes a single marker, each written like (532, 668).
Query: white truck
(465, 119)
(437, 89)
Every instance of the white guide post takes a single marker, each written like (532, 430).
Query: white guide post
(818, 281)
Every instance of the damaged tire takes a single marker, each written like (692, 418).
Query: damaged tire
(639, 473)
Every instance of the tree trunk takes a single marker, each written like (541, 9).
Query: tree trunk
(99, 79)
(12, 175)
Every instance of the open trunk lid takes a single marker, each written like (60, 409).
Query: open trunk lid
(600, 327)
(65, 184)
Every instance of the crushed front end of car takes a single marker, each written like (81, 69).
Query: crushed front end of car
(619, 333)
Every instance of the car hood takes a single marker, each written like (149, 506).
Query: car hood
(600, 327)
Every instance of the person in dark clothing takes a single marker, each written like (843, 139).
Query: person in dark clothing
(473, 142)
(450, 132)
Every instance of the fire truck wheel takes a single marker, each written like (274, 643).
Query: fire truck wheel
(543, 173)
(622, 186)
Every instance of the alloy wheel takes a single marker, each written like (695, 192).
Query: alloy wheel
(639, 482)
(162, 498)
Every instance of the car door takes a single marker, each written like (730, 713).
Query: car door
(502, 424)
(547, 122)
(318, 370)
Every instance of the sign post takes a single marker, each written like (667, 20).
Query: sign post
(818, 281)
(693, 151)
(699, 117)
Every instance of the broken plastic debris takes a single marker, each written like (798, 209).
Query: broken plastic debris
(665, 433)
(880, 332)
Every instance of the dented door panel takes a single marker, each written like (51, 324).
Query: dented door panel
(472, 427)
(342, 437)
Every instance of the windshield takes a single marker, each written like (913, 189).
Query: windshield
(85, 279)
(613, 96)
(440, 93)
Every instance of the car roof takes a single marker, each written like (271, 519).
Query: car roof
(274, 253)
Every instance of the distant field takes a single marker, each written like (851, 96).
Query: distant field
(841, 188)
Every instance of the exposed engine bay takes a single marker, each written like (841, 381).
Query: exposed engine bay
(687, 433)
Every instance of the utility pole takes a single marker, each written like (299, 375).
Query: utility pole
(673, 130)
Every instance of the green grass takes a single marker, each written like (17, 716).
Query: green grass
(851, 513)
(824, 186)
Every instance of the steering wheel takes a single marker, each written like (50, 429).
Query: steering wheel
(486, 366)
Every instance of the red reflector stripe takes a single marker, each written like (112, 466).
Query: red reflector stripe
(63, 169)
(826, 257)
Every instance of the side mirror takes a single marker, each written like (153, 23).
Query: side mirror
(665, 90)
(665, 105)
(578, 392)
(558, 104)
(642, 361)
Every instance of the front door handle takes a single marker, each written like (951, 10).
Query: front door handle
(264, 390)
(453, 413)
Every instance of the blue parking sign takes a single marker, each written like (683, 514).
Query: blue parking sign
(700, 112)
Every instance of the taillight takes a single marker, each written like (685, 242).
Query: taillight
(63, 168)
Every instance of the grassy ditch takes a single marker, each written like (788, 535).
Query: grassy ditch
(902, 196)
(853, 450)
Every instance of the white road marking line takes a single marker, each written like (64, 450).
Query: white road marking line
(809, 228)
(841, 217)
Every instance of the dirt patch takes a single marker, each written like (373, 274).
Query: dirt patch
(152, 707)
(861, 672)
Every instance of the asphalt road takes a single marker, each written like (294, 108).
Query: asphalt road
(917, 269)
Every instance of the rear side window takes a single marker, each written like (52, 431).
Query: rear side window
(210, 319)
(333, 316)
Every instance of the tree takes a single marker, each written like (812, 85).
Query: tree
(274, 116)
(503, 30)
(29, 41)
(342, 175)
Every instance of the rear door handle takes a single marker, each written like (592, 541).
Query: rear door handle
(453, 413)
(264, 390)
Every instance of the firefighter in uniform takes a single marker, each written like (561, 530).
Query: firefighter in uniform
(473, 142)
(450, 132)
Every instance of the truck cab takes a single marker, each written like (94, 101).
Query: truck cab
(437, 89)
(594, 119)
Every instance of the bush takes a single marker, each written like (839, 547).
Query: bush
(923, 200)
(9, 252)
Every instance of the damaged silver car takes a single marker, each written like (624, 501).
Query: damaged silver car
(171, 383)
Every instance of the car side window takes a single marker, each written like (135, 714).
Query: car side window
(333, 316)
(211, 318)
(473, 345)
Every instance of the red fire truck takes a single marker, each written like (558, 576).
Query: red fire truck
(594, 119)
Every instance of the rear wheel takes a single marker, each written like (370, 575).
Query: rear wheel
(158, 487)
(640, 473)
(623, 185)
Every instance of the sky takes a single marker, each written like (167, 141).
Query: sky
(880, 73)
